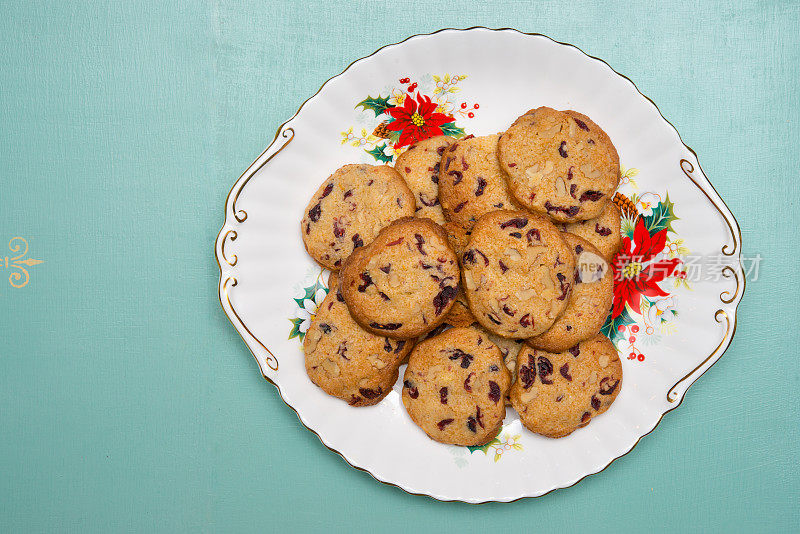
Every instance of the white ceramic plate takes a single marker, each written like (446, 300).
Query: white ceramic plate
(269, 287)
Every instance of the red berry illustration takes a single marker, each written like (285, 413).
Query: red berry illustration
(405, 80)
(621, 328)
(634, 329)
(412, 86)
(632, 356)
(471, 115)
(476, 106)
(641, 357)
(632, 339)
(463, 105)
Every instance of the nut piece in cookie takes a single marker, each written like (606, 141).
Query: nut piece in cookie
(471, 181)
(419, 166)
(589, 302)
(517, 273)
(345, 360)
(455, 385)
(557, 393)
(559, 163)
(604, 231)
(350, 208)
(404, 283)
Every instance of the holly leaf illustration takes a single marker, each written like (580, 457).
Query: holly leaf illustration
(611, 327)
(483, 448)
(378, 105)
(309, 292)
(295, 331)
(450, 128)
(662, 217)
(378, 154)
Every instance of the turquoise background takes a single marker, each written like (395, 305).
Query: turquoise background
(128, 402)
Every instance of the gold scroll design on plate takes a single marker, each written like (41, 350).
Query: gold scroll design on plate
(727, 297)
(230, 236)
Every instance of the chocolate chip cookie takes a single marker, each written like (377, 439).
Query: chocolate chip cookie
(589, 302)
(404, 283)
(555, 394)
(350, 208)
(455, 385)
(517, 272)
(345, 360)
(604, 231)
(559, 163)
(419, 166)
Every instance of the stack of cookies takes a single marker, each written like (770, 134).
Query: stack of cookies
(483, 262)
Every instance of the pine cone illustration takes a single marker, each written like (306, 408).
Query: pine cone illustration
(382, 131)
(625, 205)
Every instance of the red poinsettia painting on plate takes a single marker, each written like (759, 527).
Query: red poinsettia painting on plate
(416, 120)
(644, 306)
(407, 115)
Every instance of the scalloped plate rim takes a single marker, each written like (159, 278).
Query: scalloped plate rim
(724, 211)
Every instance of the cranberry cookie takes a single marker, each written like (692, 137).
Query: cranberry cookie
(404, 283)
(419, 166)
(350, 208)
(559, 163)
(458, 236)
(589, 302)
(454, 387)
(556, 394)
(460, 314)
(345, 360)
(604, 231)
(518, 272)
(471, 182)
(509, 348)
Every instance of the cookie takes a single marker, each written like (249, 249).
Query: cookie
(404, 283)
(559, 163)
(350, 208)
(458, 236)
(588, 304)
(471, 182)
(419, 166)
(345, 360)
(517, 272)
(509, 348)
(460, 314)
(454, 387)
(555, 394)
(604, 231)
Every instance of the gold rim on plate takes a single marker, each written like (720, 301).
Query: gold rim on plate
(287, 136)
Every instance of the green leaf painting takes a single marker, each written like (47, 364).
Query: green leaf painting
(379, 154)
(295, 331)
(662, 217)
(378, 105)
(452, 130)
(611, 327)
(484, 448)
